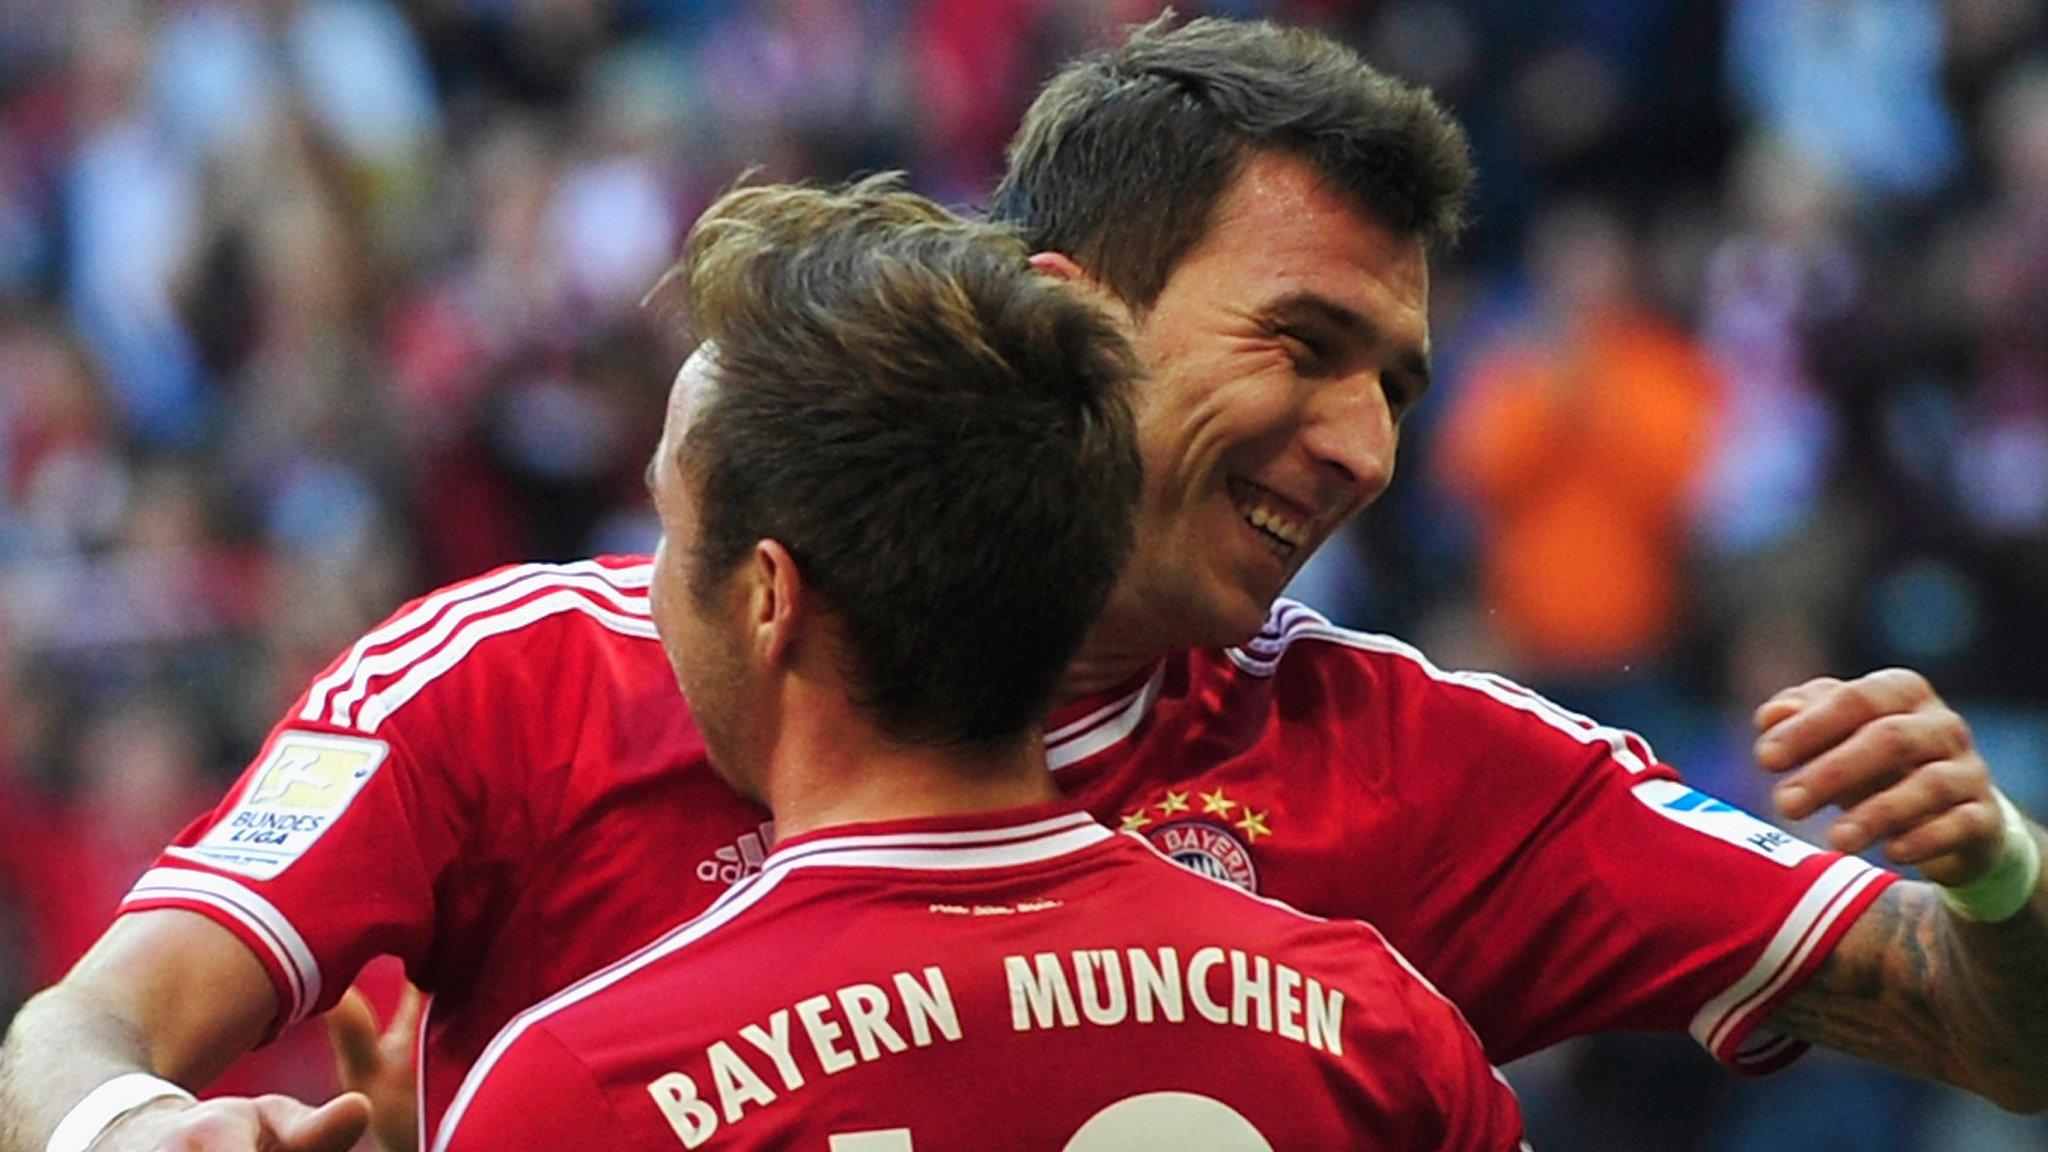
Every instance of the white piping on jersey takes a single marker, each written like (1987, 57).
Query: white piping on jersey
(1010, 834)
(1787, 953)
(1105, 726)
(473, 620)
(1291, 621)
(381, 704)
(1063, 836)
(1262, 656)
(858, 852)
(1262, 653)
(352, 676)
(1636, 745)
(245, 907)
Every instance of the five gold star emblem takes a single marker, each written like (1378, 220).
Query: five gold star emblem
(1251, 823)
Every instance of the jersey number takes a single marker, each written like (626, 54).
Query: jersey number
(1151, 1122)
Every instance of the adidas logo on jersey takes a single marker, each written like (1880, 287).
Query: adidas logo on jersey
(740, 859)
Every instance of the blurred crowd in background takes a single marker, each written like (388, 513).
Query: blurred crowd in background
(307, 306)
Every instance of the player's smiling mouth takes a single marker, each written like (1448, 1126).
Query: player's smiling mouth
(1275, 518)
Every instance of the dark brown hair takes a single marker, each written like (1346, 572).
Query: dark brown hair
(1123, 156)
(940, 437)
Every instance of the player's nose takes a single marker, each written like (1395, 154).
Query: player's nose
(1349, 434)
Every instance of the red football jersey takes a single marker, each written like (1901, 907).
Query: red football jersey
(1548, 873)
(503, 787)
(1024, 980)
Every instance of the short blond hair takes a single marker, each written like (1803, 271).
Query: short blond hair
(939, 435)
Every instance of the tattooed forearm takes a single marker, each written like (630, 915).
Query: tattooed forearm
(1917, 989)
(1874, 995)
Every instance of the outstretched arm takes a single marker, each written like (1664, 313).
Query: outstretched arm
(174, 995)
(1917, 984)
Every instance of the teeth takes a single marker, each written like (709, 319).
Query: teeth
(1284, 533)
(1266, 518)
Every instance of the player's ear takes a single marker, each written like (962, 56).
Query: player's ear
(779, 601)
(1060, 266)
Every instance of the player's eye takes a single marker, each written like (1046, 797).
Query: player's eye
(1401, 392)
(1309, 352)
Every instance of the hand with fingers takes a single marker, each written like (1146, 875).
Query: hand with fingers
(240, 1124)
(1902, 767)
(378, 1062)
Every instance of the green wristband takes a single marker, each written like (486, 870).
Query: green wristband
(2000, 893)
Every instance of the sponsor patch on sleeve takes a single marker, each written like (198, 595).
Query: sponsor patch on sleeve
(1723, 821)
(292, 799)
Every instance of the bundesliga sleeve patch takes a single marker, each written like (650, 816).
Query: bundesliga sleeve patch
(1723, 821)
(292, 799)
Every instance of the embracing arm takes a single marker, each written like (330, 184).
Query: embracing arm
(168, 993)
(1917, 988)
(1914, 985)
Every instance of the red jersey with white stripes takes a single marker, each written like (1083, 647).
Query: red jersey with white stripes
(1029, 974)
(503, 787)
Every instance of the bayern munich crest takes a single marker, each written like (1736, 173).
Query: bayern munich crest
(1215, 841)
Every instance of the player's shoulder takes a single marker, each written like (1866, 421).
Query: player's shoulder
(523, 624)
(1388, 686)
(1147, 878)
(1233, 917)
(1296, 639)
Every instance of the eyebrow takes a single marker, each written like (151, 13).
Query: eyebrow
(1304, 305)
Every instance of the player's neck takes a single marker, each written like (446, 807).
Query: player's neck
(1097, 672)
(860, 781)
(1113, 653)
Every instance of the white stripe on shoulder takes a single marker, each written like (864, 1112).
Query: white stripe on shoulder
(429, 622)
(1105, 726)
(1286, 621)
(535, 579)
(378, 706)
(241, 904)
(723, 911)
(1292, 623)
(1787, 953)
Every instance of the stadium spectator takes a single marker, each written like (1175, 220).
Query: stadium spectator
(1579, 441)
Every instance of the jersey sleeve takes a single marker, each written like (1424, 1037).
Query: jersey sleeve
(369, 821)
(537, 1097)
(1571, 883)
